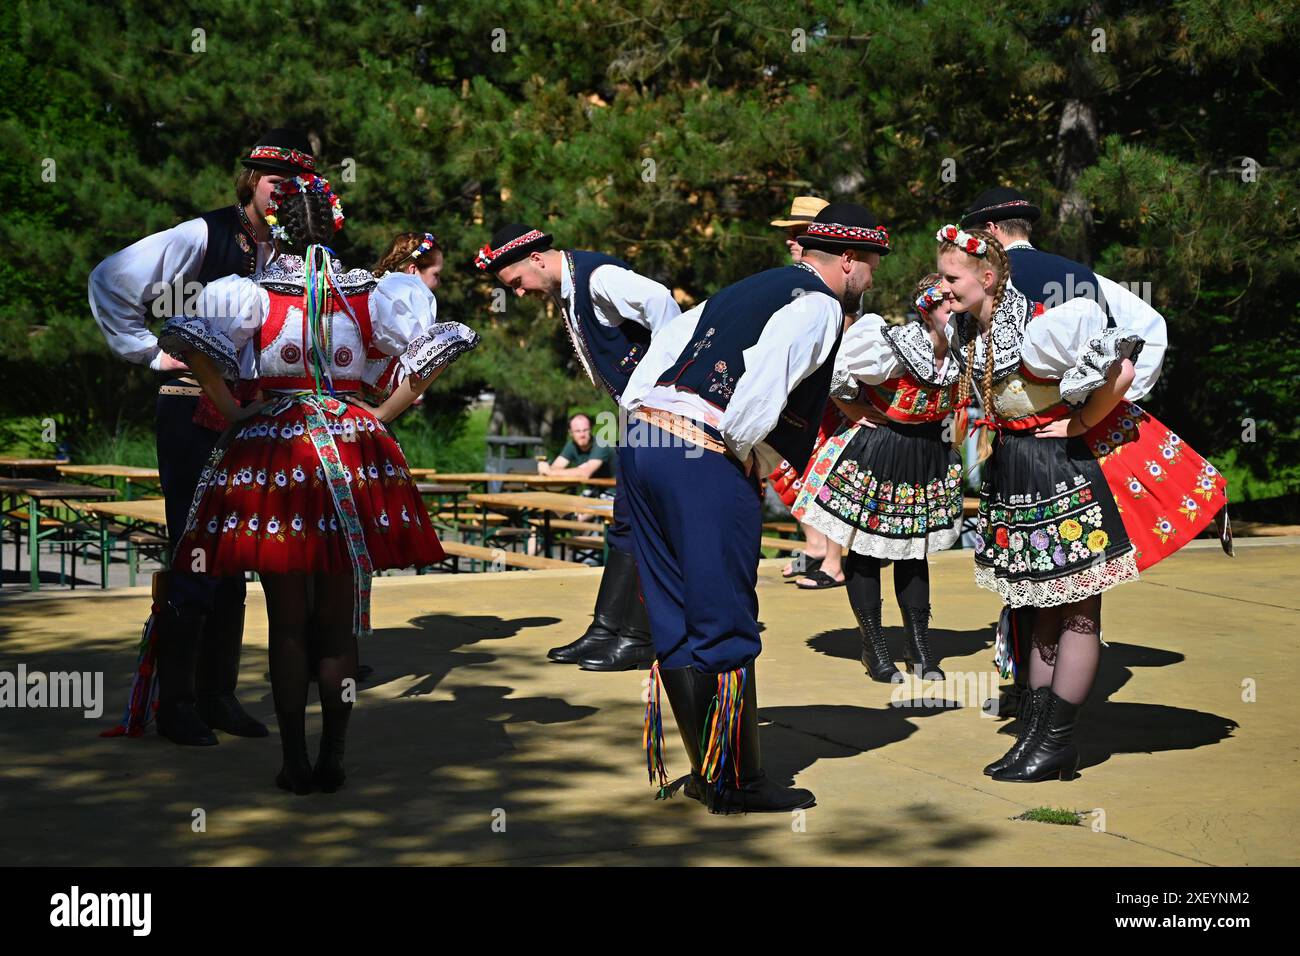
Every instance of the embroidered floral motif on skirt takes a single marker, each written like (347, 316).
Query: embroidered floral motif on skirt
(268, 506)
(1166, 493)
(892, 492)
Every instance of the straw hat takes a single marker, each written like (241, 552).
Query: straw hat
(802, 211)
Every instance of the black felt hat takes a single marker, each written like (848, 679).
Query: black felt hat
(509, 244)
(997, 204)
(282, 151)
(846, 225)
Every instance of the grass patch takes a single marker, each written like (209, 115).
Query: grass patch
(1065, 818)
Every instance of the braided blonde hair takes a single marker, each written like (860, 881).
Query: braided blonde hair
(996, 258)
(399, 254)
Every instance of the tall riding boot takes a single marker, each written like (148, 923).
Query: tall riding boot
(608, 618)
(689, 700)
(295, 774)
(1032, 706)
(875, 652)
(1050, 751)
(328, 775)
(177, 655)
(921, 661)
(633, 647)
(218, 675)
(756, 793)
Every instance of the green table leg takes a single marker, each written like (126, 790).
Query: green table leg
(33, 544)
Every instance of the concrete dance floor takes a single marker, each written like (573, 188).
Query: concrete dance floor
(467, 747)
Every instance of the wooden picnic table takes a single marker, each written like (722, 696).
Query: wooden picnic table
(547, 503)
(515, 478)
(128, 474)
(41, 498)
(144, 515)
(15, 465)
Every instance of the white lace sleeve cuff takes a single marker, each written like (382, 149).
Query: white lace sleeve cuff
(441, 345)
(190, 333)
(1102, 350)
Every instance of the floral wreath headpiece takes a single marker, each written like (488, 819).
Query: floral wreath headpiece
(963, 240)
(426, 244)
(304, 183)
(928, 299)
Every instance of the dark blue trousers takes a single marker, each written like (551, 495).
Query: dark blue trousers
(183, 451)
(619, 534)
(697, 522)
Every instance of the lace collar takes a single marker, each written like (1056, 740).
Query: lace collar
(287, 273)
(1008, 332)
(911, 343)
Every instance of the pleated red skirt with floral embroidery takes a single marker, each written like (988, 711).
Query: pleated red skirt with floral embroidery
(1166, 493)
(268, 507)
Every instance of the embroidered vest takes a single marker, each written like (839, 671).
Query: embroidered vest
(230, 251)
(714, 359)
(609, 355)
(904, 399)
(283, 361)
(1044, 277)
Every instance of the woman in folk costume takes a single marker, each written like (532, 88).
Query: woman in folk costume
(1083, 491)
(893, 492)
(419, 256)
(309, 488)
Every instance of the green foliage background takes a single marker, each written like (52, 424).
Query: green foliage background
(451, 134)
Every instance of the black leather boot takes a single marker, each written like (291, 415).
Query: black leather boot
(1015, 698)
(177, 656)
(689, 700)
(218, 674)
(756, 793)
(295, 773)
(615, 587)
(1032, 706)
(632, 648)
(875, 652)
(1050, 750)
(921, 661)
(329, 775)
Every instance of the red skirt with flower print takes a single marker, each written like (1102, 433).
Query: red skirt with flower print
(267, 505)
(1165, 492)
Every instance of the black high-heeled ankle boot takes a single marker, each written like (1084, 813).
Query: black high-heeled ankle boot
(295, 773)
(1033, 705)
(328, 774)
(875, 652)
(921, 661)
(1050, 751)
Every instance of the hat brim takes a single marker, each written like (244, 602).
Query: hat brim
(976, 219)
(824, 244)
(274, 166)
(517, 254)
(788, 223)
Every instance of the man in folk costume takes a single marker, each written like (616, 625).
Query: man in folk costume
(199, 621)
(611, 314)
(1049, 280)
(726, 391)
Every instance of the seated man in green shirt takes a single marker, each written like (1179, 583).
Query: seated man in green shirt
(582, 456)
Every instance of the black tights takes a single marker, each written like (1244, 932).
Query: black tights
(862, 581)
(310, 618)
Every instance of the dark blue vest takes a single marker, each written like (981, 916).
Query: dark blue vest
(230, 252)
(714, 359)
(611, 353)
(1053, 280)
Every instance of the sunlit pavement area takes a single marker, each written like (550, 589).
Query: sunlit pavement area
(468, 747)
